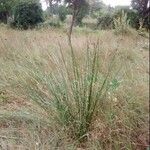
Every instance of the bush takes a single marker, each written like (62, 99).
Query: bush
(50, 23)
(27, 15)
(54, 22)
(105, 21)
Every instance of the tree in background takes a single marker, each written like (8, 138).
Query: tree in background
(143, 8)
(51, 5)
(62, 12)
(83, 11)
(6, 8)
(105, 17)
(76, 7)
(95, 6)
(27, 14)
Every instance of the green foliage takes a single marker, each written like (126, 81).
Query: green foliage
(132, 15)
(54, 23)
(62, 12)
(121, 24)
(105, 21)
(96, 6)
(49, 23)
(6, 8)
(134, 18)
(27, 14)
(106, 15)
(6, 5)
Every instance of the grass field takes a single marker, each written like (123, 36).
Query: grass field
(92, 98)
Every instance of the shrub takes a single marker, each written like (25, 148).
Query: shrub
(105, 21)
(49, 24)
(54, 24)
(27, 15)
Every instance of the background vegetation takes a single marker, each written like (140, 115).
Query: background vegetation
(137, 14)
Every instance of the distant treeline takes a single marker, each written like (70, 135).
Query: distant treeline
(29, 13)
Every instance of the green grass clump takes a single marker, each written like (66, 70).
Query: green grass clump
(72, 93)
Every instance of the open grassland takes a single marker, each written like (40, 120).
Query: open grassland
(94, 97)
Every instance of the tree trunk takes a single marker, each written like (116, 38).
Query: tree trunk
(75, 13)
(4, 16)
(50, 7)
